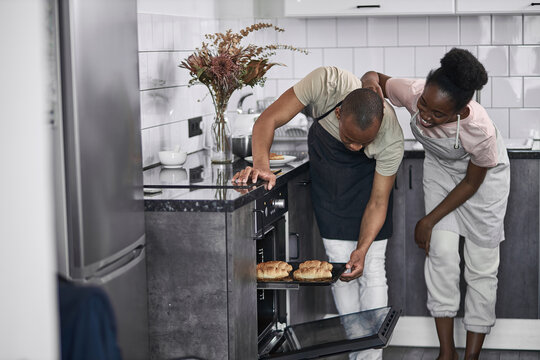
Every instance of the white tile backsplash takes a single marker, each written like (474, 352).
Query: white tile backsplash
(366, 59)
(443, 30)
(500, 118)
(351, 32)
(427, 59)
(413, 31)
(295, 32)
(495, 59)
(507, 29)
(507, 92)
(382, 31)
(486, 95)
(475, 30)
(525, 60)
(285, 57)
(321, 33)
(144, 31)
(399, 61)
(531, 29)
(304, 64)
(507, 45)
(342, 58)
(522, 121)
(531, 89)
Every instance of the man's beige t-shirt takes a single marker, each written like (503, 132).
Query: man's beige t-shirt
(326, 86)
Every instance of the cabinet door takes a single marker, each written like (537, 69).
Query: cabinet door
(325, 8)
(518, 292)
(416, 291)
(496, 6)
(395, 249)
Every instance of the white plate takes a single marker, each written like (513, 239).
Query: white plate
(287, 158)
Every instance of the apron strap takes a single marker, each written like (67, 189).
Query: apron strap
(328, 112)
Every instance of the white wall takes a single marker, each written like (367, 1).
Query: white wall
(508, 45)
(28, 306)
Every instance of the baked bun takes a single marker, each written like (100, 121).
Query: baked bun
(312, 273)
(271, 273)
(316, 264)
(275, 263)
(274, 156)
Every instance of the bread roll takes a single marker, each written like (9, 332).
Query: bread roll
(312, 273)
(271, 273)
(316, 264)
(275, 263)
(274, 156)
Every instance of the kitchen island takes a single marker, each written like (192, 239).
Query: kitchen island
(201, 253)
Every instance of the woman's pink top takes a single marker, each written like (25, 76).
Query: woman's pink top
(477, 133)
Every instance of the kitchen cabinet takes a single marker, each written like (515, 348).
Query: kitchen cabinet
(496, 6)
(518, 287)
(201, 286)
(325, 8)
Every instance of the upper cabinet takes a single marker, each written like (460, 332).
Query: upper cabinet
(326, 8)
(497, 6)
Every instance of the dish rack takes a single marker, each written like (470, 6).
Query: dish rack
(291, 133)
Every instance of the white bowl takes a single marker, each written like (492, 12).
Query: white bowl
(172, 176)
(172, 158)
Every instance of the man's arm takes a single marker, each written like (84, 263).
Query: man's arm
(276, 115)
(372, 222)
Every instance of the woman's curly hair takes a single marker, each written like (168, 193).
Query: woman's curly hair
(459, 76)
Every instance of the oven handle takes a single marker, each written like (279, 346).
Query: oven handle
(263, 231)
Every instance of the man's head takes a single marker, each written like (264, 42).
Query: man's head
(360, 116)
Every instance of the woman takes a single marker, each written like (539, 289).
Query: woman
(466, 186)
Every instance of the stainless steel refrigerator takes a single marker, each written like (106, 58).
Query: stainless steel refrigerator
(98, 167)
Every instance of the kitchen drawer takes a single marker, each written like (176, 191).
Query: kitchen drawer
(325, 8)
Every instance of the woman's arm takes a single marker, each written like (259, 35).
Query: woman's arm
(376, 82)
(462, 192)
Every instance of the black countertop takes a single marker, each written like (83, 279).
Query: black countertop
(200, 186)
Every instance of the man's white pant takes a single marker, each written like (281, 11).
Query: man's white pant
(442, 272)
(369, 291)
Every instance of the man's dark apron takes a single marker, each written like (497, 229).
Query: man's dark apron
(341, 186)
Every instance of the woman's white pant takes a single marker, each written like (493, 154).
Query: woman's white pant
(442, 272)
(369, 291)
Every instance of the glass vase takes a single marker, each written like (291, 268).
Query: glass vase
(221, 150)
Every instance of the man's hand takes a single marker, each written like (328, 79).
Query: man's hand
(254, 173)
(356, 264)
(422, 233)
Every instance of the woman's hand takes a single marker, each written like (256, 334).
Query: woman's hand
(422, 233)
(374, 86)
(356, 264)
(254, 173)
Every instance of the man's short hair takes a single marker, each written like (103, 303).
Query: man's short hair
(365, 105)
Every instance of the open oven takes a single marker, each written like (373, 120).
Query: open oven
(279, 340)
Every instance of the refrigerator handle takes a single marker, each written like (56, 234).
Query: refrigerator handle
(119, 267)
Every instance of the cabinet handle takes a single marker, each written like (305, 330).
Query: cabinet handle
(410, 177)
(367, 6)
(535, 4)
(294, 246)
(304, 183)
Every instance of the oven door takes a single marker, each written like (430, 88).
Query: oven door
(353, 332)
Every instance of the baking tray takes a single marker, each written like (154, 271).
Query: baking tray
(289, 283)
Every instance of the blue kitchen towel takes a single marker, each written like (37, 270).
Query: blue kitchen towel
(87, 323)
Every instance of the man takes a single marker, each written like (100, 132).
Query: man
(355, 149)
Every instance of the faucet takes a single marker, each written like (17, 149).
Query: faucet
(240, 102)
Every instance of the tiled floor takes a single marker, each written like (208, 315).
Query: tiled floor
(410, 353)
(406, 353)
